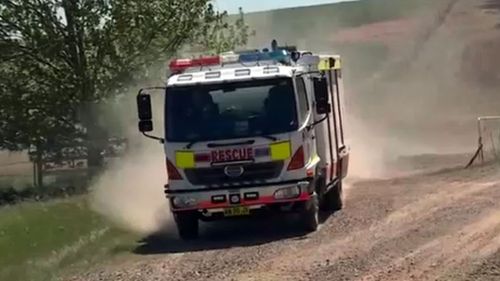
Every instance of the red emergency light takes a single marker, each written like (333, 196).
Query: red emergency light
(179, 65)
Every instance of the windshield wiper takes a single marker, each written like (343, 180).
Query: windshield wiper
(189, 145)
(212, 145)
(269, 137)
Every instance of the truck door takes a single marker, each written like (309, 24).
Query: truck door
(304, 113)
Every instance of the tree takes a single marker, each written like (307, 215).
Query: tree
(60, 58)
(219, 35)
(29, 118)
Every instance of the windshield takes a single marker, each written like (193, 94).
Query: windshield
(230, 110)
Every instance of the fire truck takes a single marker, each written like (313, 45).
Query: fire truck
(251, 133)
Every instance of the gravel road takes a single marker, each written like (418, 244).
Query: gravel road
(439, 226)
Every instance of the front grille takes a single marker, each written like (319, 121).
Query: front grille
(252, 173)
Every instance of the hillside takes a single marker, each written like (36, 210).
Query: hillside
(364, 32)
(308, 22)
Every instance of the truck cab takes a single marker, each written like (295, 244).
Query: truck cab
(252, 133)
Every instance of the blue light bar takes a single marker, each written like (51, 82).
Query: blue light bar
(278, 55)
(254, 57)
(281, 56)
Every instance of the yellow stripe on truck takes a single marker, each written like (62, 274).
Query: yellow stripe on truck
(324, 64)
(329, 63)
(338, 64)
(184, 159)
(281, 150)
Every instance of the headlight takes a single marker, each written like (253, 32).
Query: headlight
(287, 193)
(184, 202)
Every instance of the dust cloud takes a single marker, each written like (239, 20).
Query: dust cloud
(130, 191)
(418, 112)
(411, 114)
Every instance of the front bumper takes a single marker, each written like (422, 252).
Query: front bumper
(253, 197)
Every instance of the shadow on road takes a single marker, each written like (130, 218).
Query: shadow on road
(226, 234)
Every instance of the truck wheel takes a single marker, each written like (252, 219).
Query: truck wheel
(309, 216)
(187, 225)
(332, 200)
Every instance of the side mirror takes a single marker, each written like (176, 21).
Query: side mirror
(321, 95)
(144, 107)
(145, 126)
(145, 113)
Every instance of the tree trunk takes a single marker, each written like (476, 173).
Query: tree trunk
(39, 167)
(94, 157)
(95, 136)
(34, 174)
(88, 116)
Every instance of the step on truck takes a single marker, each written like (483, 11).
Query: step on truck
(251, 133)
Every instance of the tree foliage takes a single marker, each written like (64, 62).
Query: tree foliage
(60, 58)
(219, 35)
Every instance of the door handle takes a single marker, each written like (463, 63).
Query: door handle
(343, 150)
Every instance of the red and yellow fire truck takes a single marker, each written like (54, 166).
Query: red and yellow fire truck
(252, 132)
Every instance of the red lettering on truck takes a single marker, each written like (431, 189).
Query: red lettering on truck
(228, 155)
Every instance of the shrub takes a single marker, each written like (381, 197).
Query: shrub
(10, 195)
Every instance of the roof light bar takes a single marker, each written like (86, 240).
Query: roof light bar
(278, 54)
(254, 57)
(230, 58)
(179, 65)
(204, 61)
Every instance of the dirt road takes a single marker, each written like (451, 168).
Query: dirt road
(439, 226)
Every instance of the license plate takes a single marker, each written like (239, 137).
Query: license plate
(236, 211)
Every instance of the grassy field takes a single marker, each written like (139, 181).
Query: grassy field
(41, 241)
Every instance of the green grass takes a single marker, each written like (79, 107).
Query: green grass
(41, 241)
(18, 182)
(62, 178)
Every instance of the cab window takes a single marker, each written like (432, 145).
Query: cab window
(230, 110)
(302, 100)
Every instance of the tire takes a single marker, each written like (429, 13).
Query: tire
(309, 217)
(332, 200)
(187, 225)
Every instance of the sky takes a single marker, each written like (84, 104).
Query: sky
(262, 5)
